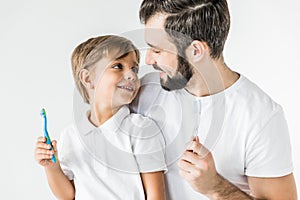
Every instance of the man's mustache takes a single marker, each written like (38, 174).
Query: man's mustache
(157, 67)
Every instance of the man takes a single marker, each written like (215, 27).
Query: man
(242, 148)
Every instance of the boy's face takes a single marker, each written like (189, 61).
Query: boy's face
(116, 81)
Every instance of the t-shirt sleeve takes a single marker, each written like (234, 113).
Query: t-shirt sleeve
(63, 157)
(148, 146)
(269, 153)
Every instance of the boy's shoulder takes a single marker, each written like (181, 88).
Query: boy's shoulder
(68, 131)
(140, 124)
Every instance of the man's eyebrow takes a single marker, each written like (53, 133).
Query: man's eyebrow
(153, 46)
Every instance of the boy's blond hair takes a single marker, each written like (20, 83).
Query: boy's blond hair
(86, 54)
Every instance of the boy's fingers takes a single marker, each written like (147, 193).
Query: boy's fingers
(43, 145)
(43, 151)
(41, 139)
(54, 144)
(42, 157)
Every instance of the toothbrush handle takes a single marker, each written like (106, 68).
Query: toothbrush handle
(48, 141)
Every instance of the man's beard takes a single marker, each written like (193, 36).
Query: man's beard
(181, 78)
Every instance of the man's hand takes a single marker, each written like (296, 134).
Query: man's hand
(197, 167)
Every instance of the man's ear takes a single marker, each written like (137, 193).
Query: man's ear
(196, 50)
(86, 79)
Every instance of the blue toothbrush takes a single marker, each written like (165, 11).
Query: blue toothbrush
(48, 140)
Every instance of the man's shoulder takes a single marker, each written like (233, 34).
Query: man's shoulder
(255, 97)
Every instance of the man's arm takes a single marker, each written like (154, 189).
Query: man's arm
(273, 188)
(198, 169)
(261, 188)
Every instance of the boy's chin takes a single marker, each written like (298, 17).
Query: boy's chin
(122, 102)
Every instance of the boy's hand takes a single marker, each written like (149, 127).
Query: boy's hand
(43, 154)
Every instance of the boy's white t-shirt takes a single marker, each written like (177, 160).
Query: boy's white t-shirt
(106, 162)
(243, 127)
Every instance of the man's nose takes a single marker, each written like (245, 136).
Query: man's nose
(150, 60)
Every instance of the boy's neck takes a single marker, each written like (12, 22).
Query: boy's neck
(99, 115)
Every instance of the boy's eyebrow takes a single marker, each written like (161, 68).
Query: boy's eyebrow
(121, 56)
(124, 55)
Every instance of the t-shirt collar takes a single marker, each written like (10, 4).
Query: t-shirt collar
(85, 126)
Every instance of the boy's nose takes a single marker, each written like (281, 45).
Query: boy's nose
(130, 75)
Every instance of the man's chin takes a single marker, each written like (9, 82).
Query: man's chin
(171, 84)
(165, 88)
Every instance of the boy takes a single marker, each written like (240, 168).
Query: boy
(102, 155)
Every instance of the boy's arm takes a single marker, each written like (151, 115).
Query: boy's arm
(60, 185)
(154, 186)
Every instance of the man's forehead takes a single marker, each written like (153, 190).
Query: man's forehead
(155, 34)
(156, 21)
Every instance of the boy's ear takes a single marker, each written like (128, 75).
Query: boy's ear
(196, 51)
(86, 79)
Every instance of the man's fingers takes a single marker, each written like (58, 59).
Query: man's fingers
(198, 148)
(184, 174)
(190, 157)
(189, 170)
(196, 139)
(185, 165)
(195, 159)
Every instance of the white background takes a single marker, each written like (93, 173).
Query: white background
(36, 41)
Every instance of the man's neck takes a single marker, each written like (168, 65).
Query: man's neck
(214, 78)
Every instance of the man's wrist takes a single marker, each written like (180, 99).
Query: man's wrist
(223, 189)
(214, 192)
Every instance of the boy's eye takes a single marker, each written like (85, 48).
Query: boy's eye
(135, 70)
(118, 66)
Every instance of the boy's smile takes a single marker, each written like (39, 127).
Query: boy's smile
(116, 84)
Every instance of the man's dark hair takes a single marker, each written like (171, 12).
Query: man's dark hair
(204, 20)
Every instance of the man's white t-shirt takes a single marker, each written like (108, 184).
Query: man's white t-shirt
(243, 127)
(105, 162)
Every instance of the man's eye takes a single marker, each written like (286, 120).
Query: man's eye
(118, 66)
(135, 69)
(155, 50)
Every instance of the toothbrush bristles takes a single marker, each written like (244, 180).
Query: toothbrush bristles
(43, 112)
